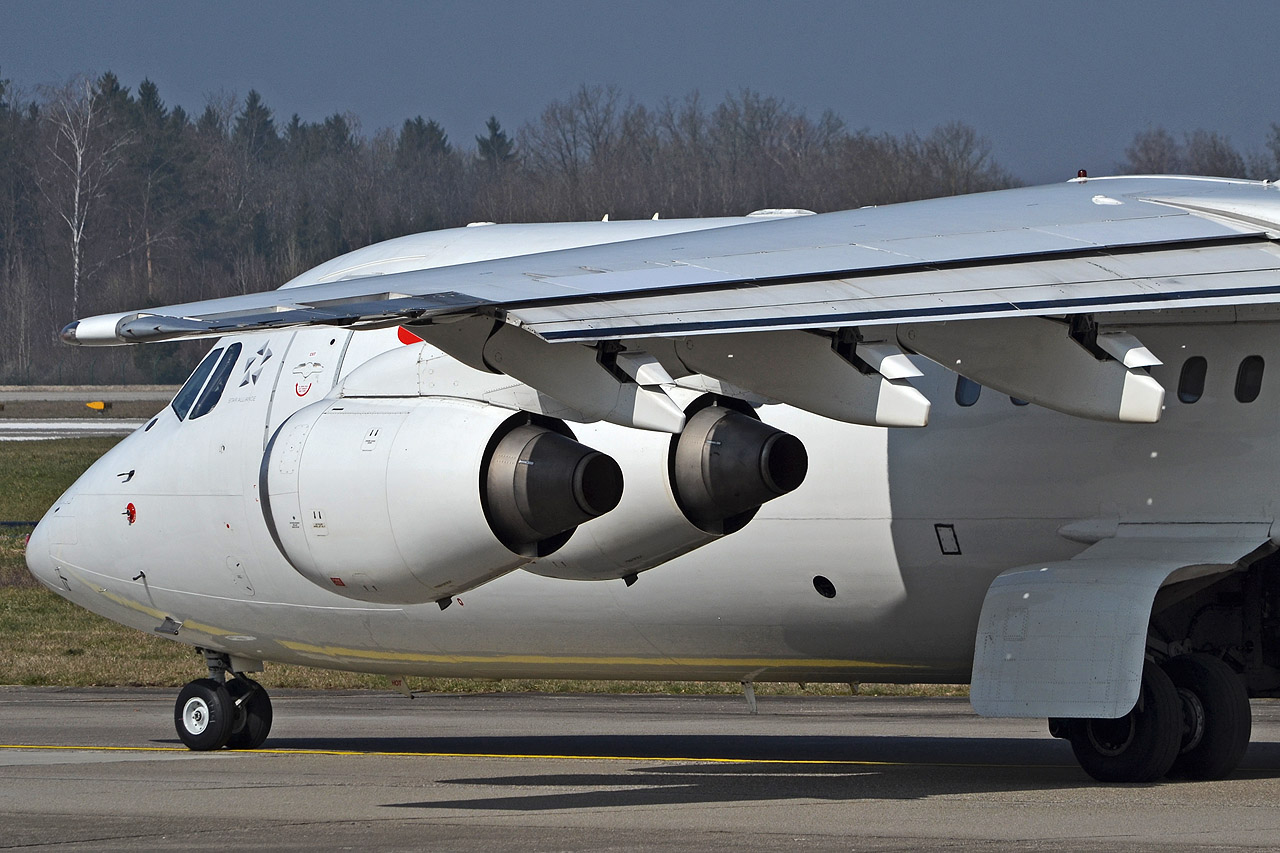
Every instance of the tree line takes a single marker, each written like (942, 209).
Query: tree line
(111, 199)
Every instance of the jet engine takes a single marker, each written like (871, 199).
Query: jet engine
(411, 501)
(683, 491)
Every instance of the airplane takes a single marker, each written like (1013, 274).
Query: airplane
(1023, 440)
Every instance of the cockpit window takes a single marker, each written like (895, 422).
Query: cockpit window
(182, 403)
(213, 391)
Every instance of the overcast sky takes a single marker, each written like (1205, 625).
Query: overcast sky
(1054, 86)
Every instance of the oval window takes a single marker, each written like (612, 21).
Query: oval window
(967, 391)
(824, 586)
(1249, 379)
(1191, 381)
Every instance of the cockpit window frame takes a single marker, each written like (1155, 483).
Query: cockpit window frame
(190, 390)
(217, 383)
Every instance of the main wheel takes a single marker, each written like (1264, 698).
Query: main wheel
(204, 715)
(1138, 747)
(1216, 717)
(253, 713)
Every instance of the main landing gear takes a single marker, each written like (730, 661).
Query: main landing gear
(1192, 721)
(219, 711)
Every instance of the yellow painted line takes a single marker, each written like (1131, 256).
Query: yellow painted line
(737, 663)
(519, 755)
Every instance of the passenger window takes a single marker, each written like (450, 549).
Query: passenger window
(213, 391)
(1249, 379)
(967, 391)
(187, 395)
(1017, 402)
(1191, 382)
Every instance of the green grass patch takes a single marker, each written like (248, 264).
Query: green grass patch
(34, 473)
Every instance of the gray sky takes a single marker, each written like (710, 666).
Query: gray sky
(1054, 86)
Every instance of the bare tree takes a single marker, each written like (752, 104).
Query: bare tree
(1153, 151)
(1211, 153)
(84, 149)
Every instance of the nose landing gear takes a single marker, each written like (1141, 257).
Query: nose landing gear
(214, 712)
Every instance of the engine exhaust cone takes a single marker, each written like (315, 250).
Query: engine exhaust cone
(727, 464)
(540, 484)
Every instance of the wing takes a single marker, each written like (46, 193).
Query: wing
(891, 274)
(1087, 245)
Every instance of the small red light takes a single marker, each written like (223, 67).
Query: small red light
(337, 581)
(131, 513)
(1082, 174)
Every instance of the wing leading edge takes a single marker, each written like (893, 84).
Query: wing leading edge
(1084, 246)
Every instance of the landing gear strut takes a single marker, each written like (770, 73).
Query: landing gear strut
(218, 711)
(1192, 720)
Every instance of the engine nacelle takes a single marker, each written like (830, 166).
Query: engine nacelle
(411, 501)
(683, 491)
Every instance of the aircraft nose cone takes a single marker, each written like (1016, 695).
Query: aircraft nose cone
(39, 558)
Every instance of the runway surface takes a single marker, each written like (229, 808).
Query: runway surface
(18, 429)
(84, 393)
(102, 770)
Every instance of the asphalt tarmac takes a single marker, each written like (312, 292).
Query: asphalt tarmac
(90, 769)
(38, 430)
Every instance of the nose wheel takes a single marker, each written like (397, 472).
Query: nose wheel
(204, 715)
(253, 713)
(214, 712)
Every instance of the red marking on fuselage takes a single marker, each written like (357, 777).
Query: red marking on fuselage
(407, 337)
(302, 392)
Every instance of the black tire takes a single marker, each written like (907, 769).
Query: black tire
(204, 715)
(253, 714)
(1138, 747)
(1217, 721)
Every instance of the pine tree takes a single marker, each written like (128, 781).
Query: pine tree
(255, 129)
(496, 148)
